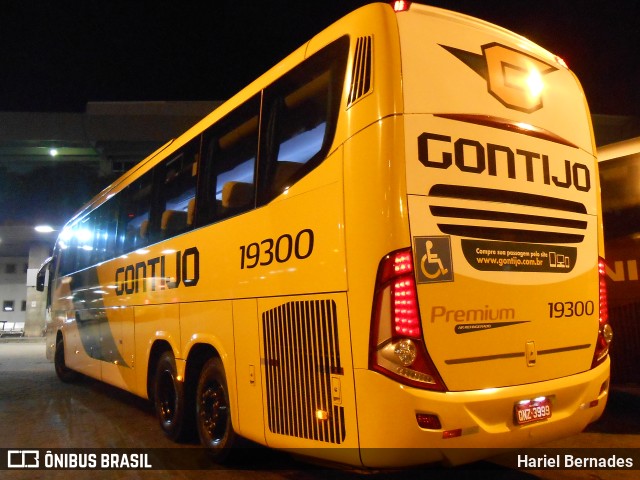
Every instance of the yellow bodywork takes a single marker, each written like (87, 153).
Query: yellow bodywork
(368, 197)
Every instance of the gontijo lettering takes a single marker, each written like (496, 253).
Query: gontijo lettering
(472, 156)
(160, 273)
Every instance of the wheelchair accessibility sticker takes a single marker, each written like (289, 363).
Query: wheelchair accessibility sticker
(433, 259)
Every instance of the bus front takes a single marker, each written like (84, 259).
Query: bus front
(490, 330)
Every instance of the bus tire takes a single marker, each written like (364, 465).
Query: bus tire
(63, 372)
(169, 398)
(213, 413)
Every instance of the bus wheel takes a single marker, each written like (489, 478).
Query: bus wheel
(213, 415)
(62, 371)
(168, 398)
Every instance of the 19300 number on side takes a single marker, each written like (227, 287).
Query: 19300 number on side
(280, 250)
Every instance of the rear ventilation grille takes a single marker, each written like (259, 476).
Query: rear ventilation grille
(462, 221)
(361, 83)
(301, 355)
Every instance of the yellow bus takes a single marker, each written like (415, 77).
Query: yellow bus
(384, 251)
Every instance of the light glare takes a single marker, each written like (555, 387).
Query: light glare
(535, 83)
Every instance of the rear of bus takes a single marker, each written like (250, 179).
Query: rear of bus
(489, 320)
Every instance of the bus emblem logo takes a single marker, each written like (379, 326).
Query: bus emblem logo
(433, 259)
(514, 78)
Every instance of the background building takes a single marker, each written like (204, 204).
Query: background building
(50, 165)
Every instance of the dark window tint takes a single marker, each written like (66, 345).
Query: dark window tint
(302, 111)
(105, 219)
(294, 132)
(177, 190)
(136, 227)
(230, 150)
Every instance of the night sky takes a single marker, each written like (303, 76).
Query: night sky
(58, 55)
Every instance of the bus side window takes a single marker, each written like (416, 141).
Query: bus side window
(84, 233)
(136, 227)
(302, 109)
(67, 246)
(178, 190)
(229, 163)
(105, 220)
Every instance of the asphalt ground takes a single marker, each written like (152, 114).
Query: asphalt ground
(38, 411)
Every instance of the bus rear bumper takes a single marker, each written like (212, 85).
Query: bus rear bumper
(474, 424)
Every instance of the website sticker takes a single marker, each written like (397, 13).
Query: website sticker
(519, 257)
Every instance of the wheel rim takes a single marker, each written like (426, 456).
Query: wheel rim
(166, 397)
(213, 413)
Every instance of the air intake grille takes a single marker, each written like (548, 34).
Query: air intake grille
(557, 227)
(301, 355)
(361, 74)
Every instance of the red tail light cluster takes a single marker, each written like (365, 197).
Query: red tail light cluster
(401, 5)
(605, 333)
(397, 346)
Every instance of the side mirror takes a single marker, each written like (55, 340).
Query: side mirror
(41, 276)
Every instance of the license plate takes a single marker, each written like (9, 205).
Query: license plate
(529, 411)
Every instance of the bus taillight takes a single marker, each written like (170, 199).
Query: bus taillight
(397, 349)
(605, 333)
(401, 5)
